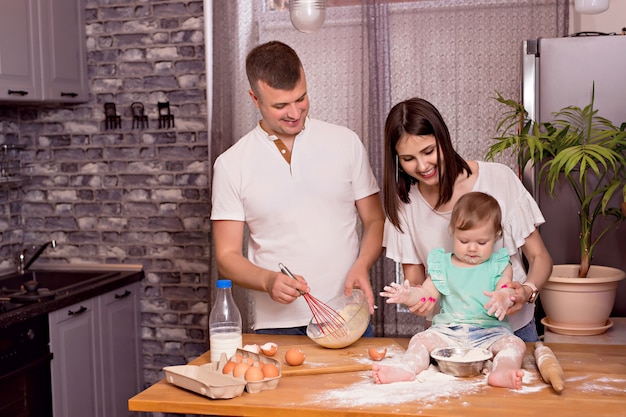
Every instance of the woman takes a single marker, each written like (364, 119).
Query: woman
(472, 283)
(424, 177)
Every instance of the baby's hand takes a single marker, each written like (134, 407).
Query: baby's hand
(499, 302)
(396, 293)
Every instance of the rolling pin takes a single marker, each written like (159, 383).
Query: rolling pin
(549, 366)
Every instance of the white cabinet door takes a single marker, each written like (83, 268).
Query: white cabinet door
(20, 68)
(121, 355)
(75, 363)
(63, 51)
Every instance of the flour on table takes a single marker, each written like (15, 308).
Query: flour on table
(429, 388)
(606, 385)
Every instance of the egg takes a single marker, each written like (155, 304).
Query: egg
(294, 357)
(269, 348)
(248, 360)
(237, 357)
(377, 354)
(229, 367)
(270, 370)
(240, 369)
(253, 373)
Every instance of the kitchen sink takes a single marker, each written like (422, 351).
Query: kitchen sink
(54, 280)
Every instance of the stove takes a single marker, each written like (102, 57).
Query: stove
(25, 379)
(13, 297)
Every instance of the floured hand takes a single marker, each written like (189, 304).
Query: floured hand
(499, 302)
(396, 293)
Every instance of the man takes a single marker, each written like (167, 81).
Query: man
(301, 186)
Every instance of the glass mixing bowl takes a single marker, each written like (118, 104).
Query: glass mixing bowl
(356, 314)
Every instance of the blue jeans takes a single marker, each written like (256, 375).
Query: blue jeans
(301, 331)
(462, 335)
(528, 333)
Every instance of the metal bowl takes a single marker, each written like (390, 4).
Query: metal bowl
(354, 310)
(461, 362)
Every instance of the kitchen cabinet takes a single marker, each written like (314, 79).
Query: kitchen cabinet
(75, 366)
(96, 346)
(43, 51)
(120, 343)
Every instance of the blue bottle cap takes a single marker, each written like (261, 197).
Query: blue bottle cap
(224, 283)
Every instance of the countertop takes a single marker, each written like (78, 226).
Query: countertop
(114, 276)
(595, 384)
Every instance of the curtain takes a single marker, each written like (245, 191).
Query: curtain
(371, 54)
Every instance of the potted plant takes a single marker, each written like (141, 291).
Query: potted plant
(588, 153)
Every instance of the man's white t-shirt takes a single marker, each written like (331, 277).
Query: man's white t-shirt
(302, 215)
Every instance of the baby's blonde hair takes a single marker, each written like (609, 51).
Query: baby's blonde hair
(474, 209)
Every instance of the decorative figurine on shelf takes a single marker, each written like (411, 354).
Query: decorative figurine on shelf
(140, 119)
(166, 119)
(112, 120)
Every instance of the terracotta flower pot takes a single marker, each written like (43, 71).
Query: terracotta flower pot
(580, 306)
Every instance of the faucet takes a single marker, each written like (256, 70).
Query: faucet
(22, 265)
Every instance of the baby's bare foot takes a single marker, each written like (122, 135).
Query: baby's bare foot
(506, 379)
(384, 374)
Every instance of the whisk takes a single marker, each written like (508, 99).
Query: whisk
(327, 318)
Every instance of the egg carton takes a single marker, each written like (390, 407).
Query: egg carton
(210, 381)
(204, 380)
(255, 386)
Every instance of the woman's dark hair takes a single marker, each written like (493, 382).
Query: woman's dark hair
(274, 63)
(417, 117)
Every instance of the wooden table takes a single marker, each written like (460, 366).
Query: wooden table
(595, 386)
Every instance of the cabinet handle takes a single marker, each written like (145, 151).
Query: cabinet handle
(124, 295)
(68, 94)
(81, 310)
(18, 92)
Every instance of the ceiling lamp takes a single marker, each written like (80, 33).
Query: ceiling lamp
(591, 6)
(307, 15)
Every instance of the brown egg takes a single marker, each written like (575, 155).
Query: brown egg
(229, 367)
(253, 373)
(294, 357)
(270, 370)
(240, 369)
(377, 354)
(269, 349)
(248, 360)
(237, 357)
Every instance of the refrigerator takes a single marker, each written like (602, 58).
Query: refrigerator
(558, 72)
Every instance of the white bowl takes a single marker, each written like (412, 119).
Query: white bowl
(354, 310)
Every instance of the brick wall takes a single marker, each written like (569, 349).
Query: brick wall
(126, 195)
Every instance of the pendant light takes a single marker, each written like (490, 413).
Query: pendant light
(591, 6)
(307, 15)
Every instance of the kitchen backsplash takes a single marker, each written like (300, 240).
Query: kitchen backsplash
(126, 195)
